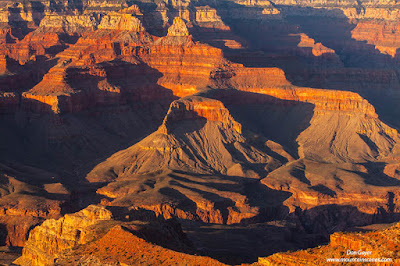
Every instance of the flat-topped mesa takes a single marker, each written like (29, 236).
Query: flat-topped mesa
(124, 20)
(178, 28)
(262, 3)
(273, 82)
(121, 21)
(198, 108)
(324, 100)
(70, 24)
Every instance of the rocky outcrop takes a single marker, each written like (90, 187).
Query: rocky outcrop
(178, 28)
(71, 24)
(384, 35)
(23, 206)
(198, 136)
(65, 233)
(290, 127)
(379, 244)
(134, 235)
(317, 49)
(315, 184)
(124, 43)
(350, 9)
(121, 246)
(178, 148)
(198, 108)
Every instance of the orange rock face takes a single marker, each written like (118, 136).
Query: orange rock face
(380, 244)
(100, 232)
(119, 245)
(221, 114)
(383, 35)
(211, 110)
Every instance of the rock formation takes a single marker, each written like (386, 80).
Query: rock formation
(220, 113)
(198, 136)
(178, 28)
(377, 244)
(23, 205)
(133, 237)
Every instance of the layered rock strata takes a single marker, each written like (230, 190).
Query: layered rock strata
(112, 236)
(379, 244)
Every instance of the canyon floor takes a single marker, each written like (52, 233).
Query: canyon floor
(198, 132)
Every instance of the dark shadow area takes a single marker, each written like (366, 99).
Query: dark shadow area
(278, 120)
(327, 219)
(17, 22)
(22, 78)
(220, 203)
(152, 20)
(69, 145)
(323, 190)
(3, 234)
(376, 176)
(298, 171)
(182, 202)
(37, 7)
(236, 244)
(269, 201)
(129, 83)
(9, 254)
(358, 66)
(78, 4)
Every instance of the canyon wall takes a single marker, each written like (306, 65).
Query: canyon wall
(221, 112)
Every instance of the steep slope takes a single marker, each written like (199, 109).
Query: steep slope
(198, 135)
(174, 63)
(300, 124)
(343, 127)
(167, 171)
(349, 162)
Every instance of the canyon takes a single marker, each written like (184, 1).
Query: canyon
(198, 132)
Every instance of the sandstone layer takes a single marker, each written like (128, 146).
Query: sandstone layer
(98, 236)
(379, 244)
(220, 113)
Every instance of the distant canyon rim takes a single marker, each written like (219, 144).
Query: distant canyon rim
(198, 132)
